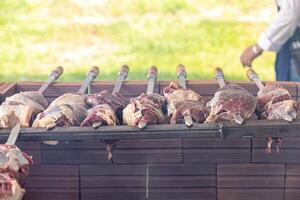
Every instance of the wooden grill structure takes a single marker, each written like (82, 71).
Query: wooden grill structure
(221, 161)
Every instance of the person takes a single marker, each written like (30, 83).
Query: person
(283, 37)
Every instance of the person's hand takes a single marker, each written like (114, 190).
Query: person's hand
(250, 54)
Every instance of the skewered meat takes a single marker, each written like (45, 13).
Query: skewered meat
(21, 107)
(102, 114)
(184, 102)
(67, 110)
(106, 109)
(145, 109)
(13, 161)
(231, 102)
(275, 102)
(10, 188)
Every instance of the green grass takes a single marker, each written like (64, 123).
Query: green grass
(38, 35)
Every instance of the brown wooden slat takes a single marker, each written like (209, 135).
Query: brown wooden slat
(177, 181)
(46, 194)
(7, 90)
(216, 150)
(250, 194)
(246, 181)
(183, 193)
(148, 151)
(113, 181)
(289, 152)
(292, 191)
(52, 182)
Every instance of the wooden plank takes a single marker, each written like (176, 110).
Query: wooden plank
(46, 194)
(113, 181)
(183, 193)
(52, 182)
(250, 181)
(292, 191)
(289, 151)
(182, 181)
(7, 90)
(75, 153)
(148, 151)
(250, 194)
(216, 150)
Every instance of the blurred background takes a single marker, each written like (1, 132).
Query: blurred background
(37, 35)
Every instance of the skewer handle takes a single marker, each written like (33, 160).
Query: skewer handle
(181, 75)
(252, 75)
(91, 75)
(94, 71)
(152, 75)
(219, 76)
(122, 75)
(55, 74)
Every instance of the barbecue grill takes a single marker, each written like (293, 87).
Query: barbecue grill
(224, 161)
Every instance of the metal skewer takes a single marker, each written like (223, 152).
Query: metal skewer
(181, 75)
(122, 75)
(219, 76)
(252, 75)
(14, 134)
(91, 75)
(55, 74)
(152, 75)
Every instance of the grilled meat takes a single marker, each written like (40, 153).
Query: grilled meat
(231, 103)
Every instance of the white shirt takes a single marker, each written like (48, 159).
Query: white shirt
(283, 27)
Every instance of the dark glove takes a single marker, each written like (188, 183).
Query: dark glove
(250, 54)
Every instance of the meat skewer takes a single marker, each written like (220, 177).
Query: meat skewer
(67, 110)
(147, 108)
(230, 103)
(184, 104)
(181, 74)
(24, 106)
(274, 101)
(106, 107)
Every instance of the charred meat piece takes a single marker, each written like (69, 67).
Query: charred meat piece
(21, 107)
(275, 102)
(145, 109)
(184, 102)
(13, 161)
(10, 188)
(231, 103)
(106, 109)
(67, 110)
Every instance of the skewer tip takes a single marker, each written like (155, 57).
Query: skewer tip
(142, 124)
(97, 125)
(218, 70)
(152, 71)
(57, 72)
(94, 71)
(250, 73)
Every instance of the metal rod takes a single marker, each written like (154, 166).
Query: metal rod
(152, 75)
(252, 75)
(122, 75)
(55, 74)
(181, 75)
(219, 76)
(91, 75)
(13, 136)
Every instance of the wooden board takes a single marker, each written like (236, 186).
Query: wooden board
(250, 181)
(113, 182)
(52, 182)
(292, 191)
(216, 150)
(182, 181)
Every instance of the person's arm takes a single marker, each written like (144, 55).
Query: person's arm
(279, 31)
